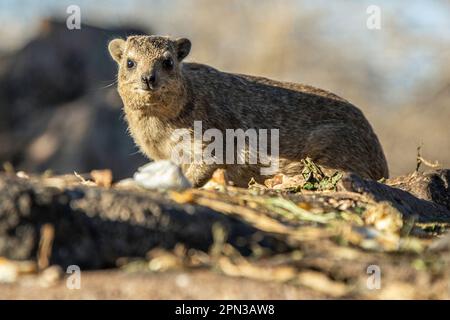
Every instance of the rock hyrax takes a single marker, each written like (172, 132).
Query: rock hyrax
(161, 94)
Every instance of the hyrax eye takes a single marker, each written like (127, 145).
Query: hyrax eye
(130, 63)
(168, 64)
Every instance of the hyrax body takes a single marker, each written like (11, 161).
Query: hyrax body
(162, 94)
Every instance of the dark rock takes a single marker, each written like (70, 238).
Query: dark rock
(421, 195)
(94, 226)
(58, 77)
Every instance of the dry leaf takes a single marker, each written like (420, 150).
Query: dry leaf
(102, 178)
(182, 197)
(275, 180)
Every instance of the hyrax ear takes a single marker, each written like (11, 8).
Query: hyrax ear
(116, 48)
(183, 46)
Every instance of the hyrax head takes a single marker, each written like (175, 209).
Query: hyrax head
(149, 68)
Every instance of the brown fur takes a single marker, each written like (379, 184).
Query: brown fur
(312, 122)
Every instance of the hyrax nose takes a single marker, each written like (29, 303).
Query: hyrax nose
(149, 80)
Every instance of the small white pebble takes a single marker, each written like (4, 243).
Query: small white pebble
(8, 272)
(182, 280)
(22, 175)
(161, 175)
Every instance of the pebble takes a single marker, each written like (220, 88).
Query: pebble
(162, 175)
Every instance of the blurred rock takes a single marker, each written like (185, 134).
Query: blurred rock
(93, 227)
(88, 133)
(55, 110)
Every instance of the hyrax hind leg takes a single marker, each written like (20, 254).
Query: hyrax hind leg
(347, 149)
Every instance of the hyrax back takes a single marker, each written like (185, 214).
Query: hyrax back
(162, 94)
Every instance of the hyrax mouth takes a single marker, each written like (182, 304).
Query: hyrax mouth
(143, 90)
(146, 90)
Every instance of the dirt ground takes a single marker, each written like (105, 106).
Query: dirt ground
(117, 284)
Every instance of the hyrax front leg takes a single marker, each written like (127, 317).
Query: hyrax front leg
(199, 174)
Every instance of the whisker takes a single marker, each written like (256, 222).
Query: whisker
(134, 153)
(108, 85)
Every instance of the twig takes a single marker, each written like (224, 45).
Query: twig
(45, 246)
(420, 160)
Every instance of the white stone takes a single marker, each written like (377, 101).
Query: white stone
(161, 175)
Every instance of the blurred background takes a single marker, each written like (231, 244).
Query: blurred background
(59, 109)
